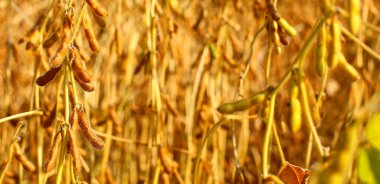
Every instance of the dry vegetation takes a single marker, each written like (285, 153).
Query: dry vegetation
(192, 91)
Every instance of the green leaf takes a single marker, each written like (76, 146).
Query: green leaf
(369, 166)
(373, 131)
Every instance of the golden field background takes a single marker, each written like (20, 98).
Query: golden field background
(155, 105)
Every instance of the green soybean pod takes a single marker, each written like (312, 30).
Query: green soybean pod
(347, 68)
(354, 15)
(336, 46)
(295, 107)
(243, 104)
(288, 29)
(321, 52)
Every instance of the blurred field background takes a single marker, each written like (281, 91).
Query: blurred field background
(202, 48)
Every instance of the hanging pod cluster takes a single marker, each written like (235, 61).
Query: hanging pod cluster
(81, 74)
(329, 52)
(57, 59)
(278, 28)
(67, 49)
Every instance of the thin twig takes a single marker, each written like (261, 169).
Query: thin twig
(360, 43)
(22, 115)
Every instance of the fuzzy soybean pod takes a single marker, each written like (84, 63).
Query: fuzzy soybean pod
(78, 67)
(51, 40)
(98, 9)
(20, 156)
(74, 152)
(50, 118)
(89, 87)
(354, 15)
(48, 76)
(275, 35)
(167, 161)
(321, 52)
(347, 68)
(54, 152)
(86, 129)
(295, 107)
(243, 104)
(288, 29)
(58, 58)
(89, 32)
(336, 46)
(276, 38)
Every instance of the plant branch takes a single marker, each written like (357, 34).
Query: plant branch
(22, 115)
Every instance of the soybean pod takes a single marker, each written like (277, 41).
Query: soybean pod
(243, 104)
(321, 52)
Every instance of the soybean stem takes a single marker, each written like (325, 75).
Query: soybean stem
(22, 115)
(249, 59)
(308, 152)
(78, 22)
(202, 148)
(73, 85)
(277, 139)
(306, 110)
(268, 135)
(360, 43)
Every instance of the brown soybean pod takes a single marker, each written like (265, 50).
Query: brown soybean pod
(87, 131)
(74, 152)
(109, 177)
(66, 29)
(115, 120)
(49, 120)
(54, 152)
(58, 58)
(74, 118)
(283, 36)
(89, 32)
(99, 20)
(79, 69)
(272, 11)
(50, 41)
(20, 156)
(48, 76)
(71, 93)
(98, 9)
(89, 87)
(168, 163)
(119, 41)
